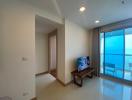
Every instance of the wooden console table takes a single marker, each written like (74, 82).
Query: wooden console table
(82, 74)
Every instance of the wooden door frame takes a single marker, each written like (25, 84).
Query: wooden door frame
(53, 33)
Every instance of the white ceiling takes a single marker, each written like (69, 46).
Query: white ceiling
(43, 25)
(45, 5)
(107, 11)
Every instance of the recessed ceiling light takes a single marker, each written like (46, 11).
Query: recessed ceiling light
(97, 21)
(82, 9)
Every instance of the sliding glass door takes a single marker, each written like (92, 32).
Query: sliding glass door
(128, 54)
(113, 51)
(101, 52)
(116, 53)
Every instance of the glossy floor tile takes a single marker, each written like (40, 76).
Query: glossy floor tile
(93, 89)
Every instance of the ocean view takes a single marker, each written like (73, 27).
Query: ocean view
(116, 53)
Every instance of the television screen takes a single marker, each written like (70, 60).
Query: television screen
(83, 63)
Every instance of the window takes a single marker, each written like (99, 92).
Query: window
(128, 54)
(116, 53)
(101, 51)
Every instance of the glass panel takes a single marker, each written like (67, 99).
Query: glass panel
(114, 51)
(101, 51)
(128, 54)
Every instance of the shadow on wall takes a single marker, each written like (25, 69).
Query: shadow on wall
(73, 63)
(5, 98)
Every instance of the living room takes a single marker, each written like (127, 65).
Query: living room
(90, 34)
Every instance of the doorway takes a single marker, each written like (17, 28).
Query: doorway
(52, 37)
(46, 46)
(46, 49)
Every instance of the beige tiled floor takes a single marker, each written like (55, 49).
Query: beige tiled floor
(93, 89)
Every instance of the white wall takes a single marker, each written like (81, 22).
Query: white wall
(17, 49)
(18, 40)
(41, 45)
(77, 44)
(73, 42)
(53, 52)
(61, 54)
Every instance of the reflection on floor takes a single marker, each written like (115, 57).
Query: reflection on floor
(93, 89)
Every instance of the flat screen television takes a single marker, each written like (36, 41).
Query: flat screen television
(83, 63)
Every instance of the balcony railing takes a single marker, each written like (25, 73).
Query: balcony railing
(114, 70)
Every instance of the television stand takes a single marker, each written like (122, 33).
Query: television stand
(80, 75)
